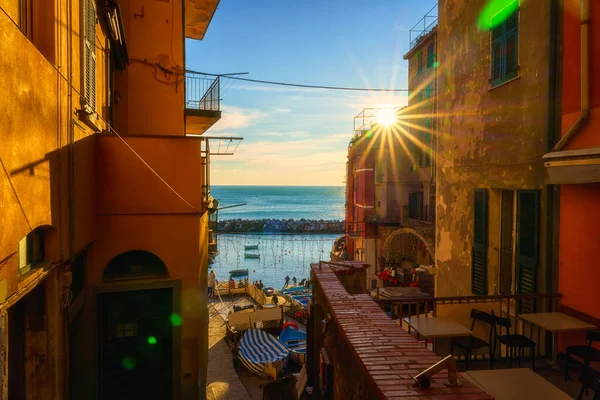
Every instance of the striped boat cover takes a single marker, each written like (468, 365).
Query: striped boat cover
(257, 347)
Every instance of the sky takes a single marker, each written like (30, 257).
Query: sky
(297, 136)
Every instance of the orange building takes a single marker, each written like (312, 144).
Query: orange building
(574, 164)
(104, 199)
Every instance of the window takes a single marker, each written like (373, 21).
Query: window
(89, 55)
(427, 92)
(31, 251)
(419, 62)
(505, 47)
(430, 55)
(26, 18)
(415, 205)
(480, 243)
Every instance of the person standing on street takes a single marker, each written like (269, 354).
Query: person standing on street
(212, 280)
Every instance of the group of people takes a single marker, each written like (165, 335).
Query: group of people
(259, 285)
(303, 282)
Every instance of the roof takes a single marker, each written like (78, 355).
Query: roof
(422, 41)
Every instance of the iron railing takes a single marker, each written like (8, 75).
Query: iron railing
(202, 92)
(503, 305)
(423, 27)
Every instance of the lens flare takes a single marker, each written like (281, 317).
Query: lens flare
(386, 117)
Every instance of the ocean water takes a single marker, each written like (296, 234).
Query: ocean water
(264, 202)
(281, 255)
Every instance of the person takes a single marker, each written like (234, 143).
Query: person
(260, 284)
(275, 300)
(287, 281)
(212, 280)
(295, 281)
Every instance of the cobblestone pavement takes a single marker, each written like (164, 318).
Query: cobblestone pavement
(223, 381)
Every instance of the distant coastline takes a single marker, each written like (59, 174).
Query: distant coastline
(275, 225)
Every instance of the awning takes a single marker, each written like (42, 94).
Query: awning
(573, 166)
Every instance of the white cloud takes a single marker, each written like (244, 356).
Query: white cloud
(291, 134)
(283, 110)
(236, 118)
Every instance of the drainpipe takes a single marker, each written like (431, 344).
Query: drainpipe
(585, 77)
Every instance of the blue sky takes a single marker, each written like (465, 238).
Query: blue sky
(295, 136)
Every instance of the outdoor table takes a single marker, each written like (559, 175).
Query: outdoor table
(556, 322)
(515, 384)
(437, 327)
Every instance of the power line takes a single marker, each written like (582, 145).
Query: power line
(300, 85)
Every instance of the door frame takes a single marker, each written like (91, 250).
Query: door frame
(134, 285)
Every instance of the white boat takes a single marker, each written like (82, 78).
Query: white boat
(263, 354)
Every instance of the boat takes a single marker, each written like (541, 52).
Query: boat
(251, 247)
(304, 300)
(250, 255)
(295, 341)
(269, 291)
(238, 272)
(262, 353)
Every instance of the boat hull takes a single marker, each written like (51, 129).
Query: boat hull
(263, 354)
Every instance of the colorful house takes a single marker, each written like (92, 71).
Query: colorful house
(390, 177)
(105, 198)
(573, 164)
(494, 212)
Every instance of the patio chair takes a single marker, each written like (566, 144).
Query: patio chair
(586, 353)
(469, 343)
(590, 379)
(514, 342)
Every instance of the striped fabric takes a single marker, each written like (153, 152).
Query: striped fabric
(257, 348)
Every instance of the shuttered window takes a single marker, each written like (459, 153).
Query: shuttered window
(480, 239)
(505, 49)
(89, 54)
(419, 62)
(430, 55)
(528, 220)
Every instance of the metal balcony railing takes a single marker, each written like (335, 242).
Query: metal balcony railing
(423, 27)
(202, 92)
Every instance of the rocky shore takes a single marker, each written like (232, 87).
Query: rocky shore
(281, 226)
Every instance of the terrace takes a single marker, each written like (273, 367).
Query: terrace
(377, 345)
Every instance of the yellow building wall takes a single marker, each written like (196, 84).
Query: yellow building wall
(149, 100)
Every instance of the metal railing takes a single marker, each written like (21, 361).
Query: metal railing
(508, 306)
(202, 92)
(423, 27)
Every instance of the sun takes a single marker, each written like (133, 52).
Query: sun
(387, 117)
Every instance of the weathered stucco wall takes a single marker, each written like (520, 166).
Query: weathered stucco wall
(488, 137)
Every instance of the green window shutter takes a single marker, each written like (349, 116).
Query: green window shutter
(479, 252)
(420, 96)
(420, 62)
(528, 225)
(497, 54)
(428, 92)
(511, 46)
(430, 55)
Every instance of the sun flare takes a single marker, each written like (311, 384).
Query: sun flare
(387, 117)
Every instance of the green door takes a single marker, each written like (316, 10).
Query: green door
(136, 344)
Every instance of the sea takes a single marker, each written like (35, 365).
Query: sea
(280, 255)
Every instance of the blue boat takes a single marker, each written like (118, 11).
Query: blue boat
(263, 354)
(295, 341)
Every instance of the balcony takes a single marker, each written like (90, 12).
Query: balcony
(202, 102)
(423, 28)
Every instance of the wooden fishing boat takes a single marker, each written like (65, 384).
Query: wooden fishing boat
(295, 341)
(251, 255)
(238, 272)
(251, 247)
(262, 353)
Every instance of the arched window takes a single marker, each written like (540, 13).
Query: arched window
(135, 264)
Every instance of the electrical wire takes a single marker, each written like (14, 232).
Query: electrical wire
(300, 85)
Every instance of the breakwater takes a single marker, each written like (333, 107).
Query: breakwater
(281, 226)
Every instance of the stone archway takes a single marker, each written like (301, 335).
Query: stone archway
(408, 231)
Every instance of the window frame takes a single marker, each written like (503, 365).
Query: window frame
(33, 249)
(430, 54)
(419, 62)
